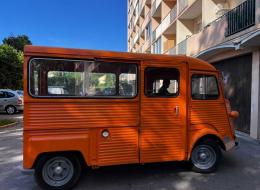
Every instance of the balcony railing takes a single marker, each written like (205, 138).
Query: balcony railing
(241, 17)
(146, 45)
(173, 14)
(167, 21)
(182, 47)
(172, 51)
(155, 5)
(182, 5)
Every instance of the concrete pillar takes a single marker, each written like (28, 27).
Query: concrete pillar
(255, 96)
(257, 11)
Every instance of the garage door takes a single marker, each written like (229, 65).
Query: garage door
(236, 74)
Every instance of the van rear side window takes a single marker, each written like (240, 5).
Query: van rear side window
(204, 87)
(69, 78)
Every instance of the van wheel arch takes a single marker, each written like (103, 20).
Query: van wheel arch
(209, 145)
(78, 154)
(210, 138)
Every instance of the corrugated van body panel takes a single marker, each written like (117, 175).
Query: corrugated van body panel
(53, 115)
(121, 147)
(212, 113)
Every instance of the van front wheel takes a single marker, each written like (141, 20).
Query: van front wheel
(58, 172)
(205, 157)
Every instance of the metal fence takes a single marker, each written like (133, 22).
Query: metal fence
(241, 17)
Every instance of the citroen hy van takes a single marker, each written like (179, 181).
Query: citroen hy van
(98, 108)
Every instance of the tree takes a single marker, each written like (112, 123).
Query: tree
(17, 42)
(11, 67)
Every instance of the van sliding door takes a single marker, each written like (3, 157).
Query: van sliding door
(163, 112)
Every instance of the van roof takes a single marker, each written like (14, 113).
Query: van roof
(57, 52)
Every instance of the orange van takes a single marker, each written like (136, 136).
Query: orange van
(99, 108)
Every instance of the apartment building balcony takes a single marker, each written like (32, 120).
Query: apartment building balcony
(182, 47)
(141, 13)
(165, 24)
(136, 38)
(229, 32)
(169, 46)
(146, 48)
(241, 17)
(189, 8)
(155, 6)
(147, 19)
(185, 4)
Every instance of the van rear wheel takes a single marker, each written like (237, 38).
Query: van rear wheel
(58, 172)
(205, 157)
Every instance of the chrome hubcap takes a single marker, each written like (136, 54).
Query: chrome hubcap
(204, 157)
(57, 171)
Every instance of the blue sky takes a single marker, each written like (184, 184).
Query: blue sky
(87, 24)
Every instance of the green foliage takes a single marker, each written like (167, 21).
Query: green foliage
(11, 67)
(109, 81)
(17, 42)
(4, 122)
(73, 81)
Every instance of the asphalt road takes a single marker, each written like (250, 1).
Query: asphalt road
(18, 116)
(239, 169)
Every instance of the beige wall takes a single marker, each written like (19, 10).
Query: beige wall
(234, 3)
(209, 37)
(185, 28)
(210, 9)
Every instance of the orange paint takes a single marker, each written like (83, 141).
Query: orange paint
(141, 129)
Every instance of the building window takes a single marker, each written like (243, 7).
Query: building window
(204, 87)
(162, 82)
(157, 46)
(148, 31)
(69, 78)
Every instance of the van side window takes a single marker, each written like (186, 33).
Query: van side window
(127, 84)
(61, 78)
(204, 87)
(162, 82)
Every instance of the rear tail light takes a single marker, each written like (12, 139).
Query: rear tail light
(20, 102)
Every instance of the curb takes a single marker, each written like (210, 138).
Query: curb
(8, 125)
(246, 137)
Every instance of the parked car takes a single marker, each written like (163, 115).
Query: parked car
(10, 101)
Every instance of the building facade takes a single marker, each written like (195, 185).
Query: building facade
(225, 33)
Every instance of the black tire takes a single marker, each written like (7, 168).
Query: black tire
(10, 110)
(205, 157)
(43, 165)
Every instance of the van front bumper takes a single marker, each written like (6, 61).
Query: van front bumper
(237, 143)
(230, 143)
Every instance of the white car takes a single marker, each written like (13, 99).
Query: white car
(10, 101)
